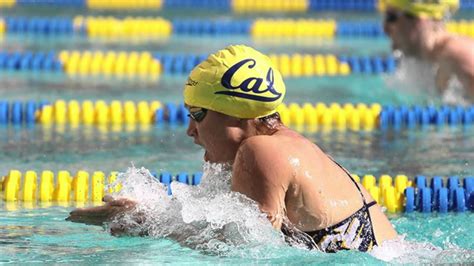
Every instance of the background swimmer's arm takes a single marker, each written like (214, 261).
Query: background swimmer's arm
(466, 73)
(458, 58)
(262, 173)
(442, 78)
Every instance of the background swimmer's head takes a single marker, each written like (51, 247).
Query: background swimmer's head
(424, 9)
(413, 25)
(237, 81)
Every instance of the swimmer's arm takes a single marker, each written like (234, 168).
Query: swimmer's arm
(465, 71)
(106, 214)
(459, 58)
(101, 214)
(262, 174)
(442, 78)
(466, 75)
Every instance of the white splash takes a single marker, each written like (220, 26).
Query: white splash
(414, 77)
(455, 94)
(418, 78)
(403, 251)
(207, 217)
(407, 251)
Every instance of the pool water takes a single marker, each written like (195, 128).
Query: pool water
(41, 235)
(37, 233)
(430, 151)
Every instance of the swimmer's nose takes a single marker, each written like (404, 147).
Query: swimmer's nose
(191, 131)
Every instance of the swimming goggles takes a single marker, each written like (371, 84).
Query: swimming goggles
(197, 113)
(393, 16)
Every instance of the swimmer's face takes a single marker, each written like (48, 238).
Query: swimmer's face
(220, 135)
(403, 30)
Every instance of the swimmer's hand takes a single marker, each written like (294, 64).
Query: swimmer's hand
(102, 214)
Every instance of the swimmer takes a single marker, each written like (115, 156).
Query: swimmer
(417, 29)
(232, 99)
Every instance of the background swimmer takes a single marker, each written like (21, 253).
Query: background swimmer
(232, 100)
(417, 29)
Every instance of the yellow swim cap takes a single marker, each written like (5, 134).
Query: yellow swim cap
(433, 9)
(237, 81)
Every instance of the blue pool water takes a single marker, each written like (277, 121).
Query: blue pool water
(38, 234)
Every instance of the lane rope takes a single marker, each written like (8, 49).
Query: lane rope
(248, 6)
(159, 27)
(359, 116)
(398, 194)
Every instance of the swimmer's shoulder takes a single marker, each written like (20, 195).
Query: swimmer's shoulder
(276, 149)
(459, 50)
(261, 146)
(460, 55)
(280, 139)
(261, 162)
(263, 151)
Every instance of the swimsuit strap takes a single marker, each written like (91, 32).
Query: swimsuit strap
(366, 205)
(355, 183)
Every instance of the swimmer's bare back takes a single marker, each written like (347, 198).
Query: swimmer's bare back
(301, 183)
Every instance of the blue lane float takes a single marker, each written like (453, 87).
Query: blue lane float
(359, 29)
(30, 61)
(211, 27)
(222, 5)
(342, 5)
(456, 196)
(410, 199)
(39, 25)
(167, 178)
(391, 116)
(4, 117)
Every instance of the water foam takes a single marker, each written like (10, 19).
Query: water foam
(403, 251)
(414, 77)
(208, 217)
(418, 78)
